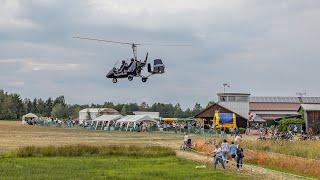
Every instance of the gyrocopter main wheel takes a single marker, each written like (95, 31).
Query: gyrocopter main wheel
(114, 80)
(130, 78)
(144, 80)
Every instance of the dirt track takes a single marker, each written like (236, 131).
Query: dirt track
(14, 135)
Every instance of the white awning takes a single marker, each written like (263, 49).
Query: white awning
(29, 115)
(105, 118)
(136, 118)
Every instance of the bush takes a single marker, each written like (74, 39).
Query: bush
(84, 150)
(242, 130)
(285, 122)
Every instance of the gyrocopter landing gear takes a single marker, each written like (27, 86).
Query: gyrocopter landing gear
(114, 80)
(144, 80)
(130, 78)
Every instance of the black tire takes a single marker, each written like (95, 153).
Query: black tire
(130, 78)
(144, 80)
(114, 80)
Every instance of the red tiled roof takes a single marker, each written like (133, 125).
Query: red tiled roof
(257, 106)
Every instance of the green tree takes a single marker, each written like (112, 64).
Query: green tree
(48, 107)
(123, 110)
(59, 111)
(178, 111)
(34, 106)
(41, 107)
(59, 100)
(210, 103)
(197, 108)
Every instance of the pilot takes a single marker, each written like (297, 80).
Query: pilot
(124, 65)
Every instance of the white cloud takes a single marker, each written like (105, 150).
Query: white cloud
(9, 16)
(29, 64)
(266, 47)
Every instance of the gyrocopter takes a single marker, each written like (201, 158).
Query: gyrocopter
(135, 67)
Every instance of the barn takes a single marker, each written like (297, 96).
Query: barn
(311, 114)
(207, 115)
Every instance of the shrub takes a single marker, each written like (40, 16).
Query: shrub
(242, 130)
(285, 122)
(84, 150)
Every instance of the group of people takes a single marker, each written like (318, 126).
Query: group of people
(225, 150)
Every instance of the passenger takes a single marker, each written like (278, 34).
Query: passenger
(132, 67)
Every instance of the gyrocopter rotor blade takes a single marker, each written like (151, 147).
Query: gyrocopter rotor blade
(102, 40)
(128, 43)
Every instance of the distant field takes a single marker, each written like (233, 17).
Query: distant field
(13, 135)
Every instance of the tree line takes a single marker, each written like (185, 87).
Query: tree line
(12, 106)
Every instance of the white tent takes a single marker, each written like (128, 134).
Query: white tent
(28, 116)
(134, 120)
(105, 120)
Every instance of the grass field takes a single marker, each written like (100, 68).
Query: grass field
(109, 162)
(14, 135)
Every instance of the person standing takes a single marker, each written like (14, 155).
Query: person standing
(238, 139)
(233, 151)
(185, 138)
(217, 157)
(240, 157)
(225, 149)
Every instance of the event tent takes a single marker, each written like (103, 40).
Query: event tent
(134, 120)
(105, 120)
(28, 116)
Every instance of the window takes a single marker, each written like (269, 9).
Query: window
(223, 98)
(231, 98)
(242, 99)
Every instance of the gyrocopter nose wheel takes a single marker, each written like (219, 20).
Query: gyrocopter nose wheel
(114, 80)
(130, 78)
(144, 80)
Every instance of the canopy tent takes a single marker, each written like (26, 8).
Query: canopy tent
(29, 116)
(105, 120)
(134, 120)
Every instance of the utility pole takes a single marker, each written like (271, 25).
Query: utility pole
(224, 86)
(301, 94)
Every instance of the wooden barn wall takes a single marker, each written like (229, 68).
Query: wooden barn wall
(313, 118)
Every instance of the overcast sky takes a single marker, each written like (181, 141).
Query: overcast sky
(266, 48)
